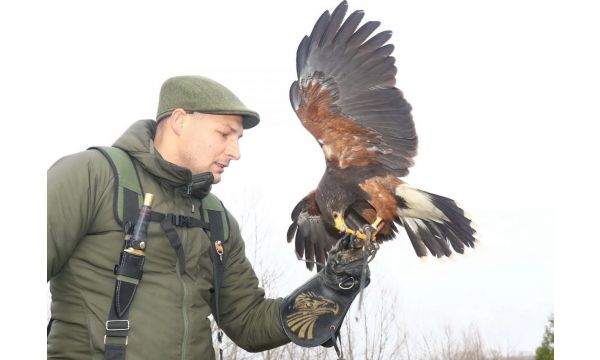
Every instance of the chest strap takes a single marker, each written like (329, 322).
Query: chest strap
(168, 222)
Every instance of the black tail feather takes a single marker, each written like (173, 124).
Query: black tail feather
(436, 234)
(440, 238)
(416, 241)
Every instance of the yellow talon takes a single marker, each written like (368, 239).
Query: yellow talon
(359, 234)
(376, 223)
(340, 224)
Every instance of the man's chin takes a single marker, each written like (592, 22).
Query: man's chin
(216, 178)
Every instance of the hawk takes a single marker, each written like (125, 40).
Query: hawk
(345, 96)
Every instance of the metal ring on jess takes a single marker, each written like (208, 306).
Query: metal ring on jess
(342, 285)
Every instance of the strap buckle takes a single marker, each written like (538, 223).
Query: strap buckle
(116, 327)
(126, 340)
(181, 220)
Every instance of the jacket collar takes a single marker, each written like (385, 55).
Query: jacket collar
(138, 142)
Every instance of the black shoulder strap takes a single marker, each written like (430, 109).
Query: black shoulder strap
(128, 193)
(217, 236)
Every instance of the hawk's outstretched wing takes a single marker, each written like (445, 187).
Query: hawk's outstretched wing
(346, 97)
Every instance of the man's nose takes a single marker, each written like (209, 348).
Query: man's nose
(233, 150)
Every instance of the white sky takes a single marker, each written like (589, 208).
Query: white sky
(499, 90)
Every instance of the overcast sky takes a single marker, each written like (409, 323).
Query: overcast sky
(496, 98)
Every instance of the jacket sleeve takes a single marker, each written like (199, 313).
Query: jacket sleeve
(72, 184)
(247, 317)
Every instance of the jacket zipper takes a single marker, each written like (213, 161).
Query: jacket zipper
(184, 316)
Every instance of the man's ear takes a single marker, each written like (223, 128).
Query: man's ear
(177, 121)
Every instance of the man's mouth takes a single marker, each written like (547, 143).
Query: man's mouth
(221, 166)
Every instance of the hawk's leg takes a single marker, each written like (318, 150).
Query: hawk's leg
(363, 235)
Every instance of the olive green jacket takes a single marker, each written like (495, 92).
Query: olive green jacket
(169, 313)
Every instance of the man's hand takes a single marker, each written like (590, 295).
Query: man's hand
(313, 314)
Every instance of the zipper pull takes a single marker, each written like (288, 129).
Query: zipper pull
(189, 194)
(219, 248)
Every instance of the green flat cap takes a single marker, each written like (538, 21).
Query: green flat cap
(201, 94)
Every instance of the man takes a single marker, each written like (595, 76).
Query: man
(177, 158)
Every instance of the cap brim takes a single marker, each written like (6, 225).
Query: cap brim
(249, 121)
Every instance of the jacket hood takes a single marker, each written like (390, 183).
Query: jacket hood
(138, 142)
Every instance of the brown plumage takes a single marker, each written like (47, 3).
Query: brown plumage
(345, 96)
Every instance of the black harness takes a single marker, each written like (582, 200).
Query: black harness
(129, 270)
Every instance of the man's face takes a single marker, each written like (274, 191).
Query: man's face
(209, 142)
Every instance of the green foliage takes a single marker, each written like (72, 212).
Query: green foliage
(546, 350)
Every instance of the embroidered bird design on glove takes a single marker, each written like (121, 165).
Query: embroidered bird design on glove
(308, 307)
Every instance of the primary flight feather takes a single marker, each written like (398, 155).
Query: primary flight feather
(345, 96)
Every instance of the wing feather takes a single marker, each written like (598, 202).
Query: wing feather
(311, 236)
(302, 54)
(374, 43)
(317, 31)
(334, 23)
(362, 34)
(348, 28)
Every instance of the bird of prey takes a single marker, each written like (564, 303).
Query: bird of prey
(345, 96)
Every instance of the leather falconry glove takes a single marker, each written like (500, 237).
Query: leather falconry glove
(313, 313)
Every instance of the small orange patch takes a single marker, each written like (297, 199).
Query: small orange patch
(381, 198)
